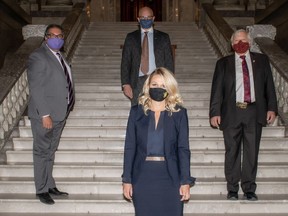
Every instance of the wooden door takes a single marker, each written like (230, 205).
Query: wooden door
(130, 8)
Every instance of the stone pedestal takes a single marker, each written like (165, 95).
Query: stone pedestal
(33, 31)
(261, 31)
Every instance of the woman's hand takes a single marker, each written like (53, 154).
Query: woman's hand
(185, 192)
(127, 191)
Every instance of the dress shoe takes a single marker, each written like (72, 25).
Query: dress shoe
(56, 192)
(232, 195)
(251, 196)
(45, 198)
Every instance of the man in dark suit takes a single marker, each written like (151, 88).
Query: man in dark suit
(243, 100)
(133, 75)
(51, 100)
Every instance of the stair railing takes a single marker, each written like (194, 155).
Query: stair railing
(219, 34)
(14, 94)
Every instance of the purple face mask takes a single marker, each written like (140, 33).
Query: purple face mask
(55, 43)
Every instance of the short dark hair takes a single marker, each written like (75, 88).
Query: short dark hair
(52, 26)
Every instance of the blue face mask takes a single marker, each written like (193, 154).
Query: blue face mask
(146, 23)
(55, 43)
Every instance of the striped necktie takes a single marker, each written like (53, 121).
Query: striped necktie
(71, 99)
(246, 80)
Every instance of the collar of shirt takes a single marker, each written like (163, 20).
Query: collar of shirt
(149, 31)
(247, 56)
(54, 52)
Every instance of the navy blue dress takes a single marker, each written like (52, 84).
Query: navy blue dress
(154, 194)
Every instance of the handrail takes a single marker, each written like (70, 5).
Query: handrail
(279, 65)
(14, 93)
(216, 28)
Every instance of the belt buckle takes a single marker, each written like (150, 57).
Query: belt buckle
(242, 105)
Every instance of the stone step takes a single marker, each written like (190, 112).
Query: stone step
(107, 59)
(203, 204)
(117, 80)
(97, 156)
(117, 121)
(111, 95)
(181, 75)
(112, 87)
(123, 111)
(127, 214)
(203, 172)
(120, 131)
(106, 186)
(116, 143)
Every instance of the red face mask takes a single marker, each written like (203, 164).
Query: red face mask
(241, 47)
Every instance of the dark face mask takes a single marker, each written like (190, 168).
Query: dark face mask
(241, 47)
(158, 94)
(146, 23)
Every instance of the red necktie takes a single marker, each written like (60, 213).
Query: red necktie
(145, 54)
(70, 87)
(246, 80)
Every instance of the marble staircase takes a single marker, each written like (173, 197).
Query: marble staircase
(89, 160)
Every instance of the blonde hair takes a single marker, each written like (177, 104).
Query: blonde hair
(172, 101)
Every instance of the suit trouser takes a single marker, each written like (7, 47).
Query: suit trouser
(138, 89)
(246, 130)
(45, 144)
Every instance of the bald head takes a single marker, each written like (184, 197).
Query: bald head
(145, 12)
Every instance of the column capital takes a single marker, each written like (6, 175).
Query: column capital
(33, 31)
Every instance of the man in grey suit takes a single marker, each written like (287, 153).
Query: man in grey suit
(160, 55)
(51, 100)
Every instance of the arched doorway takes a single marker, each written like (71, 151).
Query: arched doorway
(130, 8)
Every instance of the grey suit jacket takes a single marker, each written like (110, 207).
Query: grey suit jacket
(131, 55)
(223, 92)
(48, 87)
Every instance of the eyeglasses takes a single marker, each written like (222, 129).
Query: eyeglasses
(51, 35)
(146, 17)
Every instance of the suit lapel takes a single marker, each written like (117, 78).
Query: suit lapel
(143, 121)
(55, 61)
(231, 69)
(138, 42)
(253, 63)
(231, 66)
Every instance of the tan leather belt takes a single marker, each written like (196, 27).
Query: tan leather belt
(149, 158)
(242, 105)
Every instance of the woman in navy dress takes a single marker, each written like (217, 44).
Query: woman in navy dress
(156, 174)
